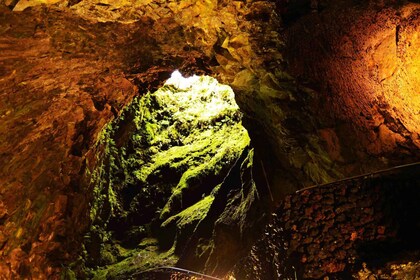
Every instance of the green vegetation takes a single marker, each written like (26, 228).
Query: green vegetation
(146, 256)
(192, 214)
(158, 166)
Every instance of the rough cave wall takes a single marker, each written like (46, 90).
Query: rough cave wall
(51, 112)
(63, 60)
(330, 230)
(67, 71)
(363, 59)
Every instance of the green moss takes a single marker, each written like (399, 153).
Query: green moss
(150, 131)
(177, 142)
(68, 274)
(221, 151)
(320, 168)
(194, 213)
(108, 257)
(240, 206)
(139, 260)
(204, 248)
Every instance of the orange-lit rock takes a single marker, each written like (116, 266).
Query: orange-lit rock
(325, 96)
(365, 61)
(374, 224)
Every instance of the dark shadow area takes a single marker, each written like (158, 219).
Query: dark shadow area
(400, 207)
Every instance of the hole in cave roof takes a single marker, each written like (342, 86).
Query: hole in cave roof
(198, 97)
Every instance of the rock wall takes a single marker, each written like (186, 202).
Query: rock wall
(51, 111)
(68, 69)
(65, 73)
(331, 230)
(363, 60)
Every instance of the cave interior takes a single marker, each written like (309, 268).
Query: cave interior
(209, 139)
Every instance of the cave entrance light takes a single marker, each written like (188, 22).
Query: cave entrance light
(200, 97)
(165, 160)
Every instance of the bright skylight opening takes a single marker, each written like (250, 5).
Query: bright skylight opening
(199, 98)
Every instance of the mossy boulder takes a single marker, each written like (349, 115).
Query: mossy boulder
(160, 164)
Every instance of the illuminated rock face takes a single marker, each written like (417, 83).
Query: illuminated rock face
(319, 103)
(367, 74)
(162, 166)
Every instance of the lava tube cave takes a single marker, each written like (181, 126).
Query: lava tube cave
(209, 139)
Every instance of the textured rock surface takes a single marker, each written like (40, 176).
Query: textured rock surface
(160, 167)
(331, 230)
(366, 72)
(68, 69)
(51, 112)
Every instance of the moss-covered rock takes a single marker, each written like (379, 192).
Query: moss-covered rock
(232, 222)
(160, 164)
(146, 256)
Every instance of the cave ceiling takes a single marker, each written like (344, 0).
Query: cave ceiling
(327, 91)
